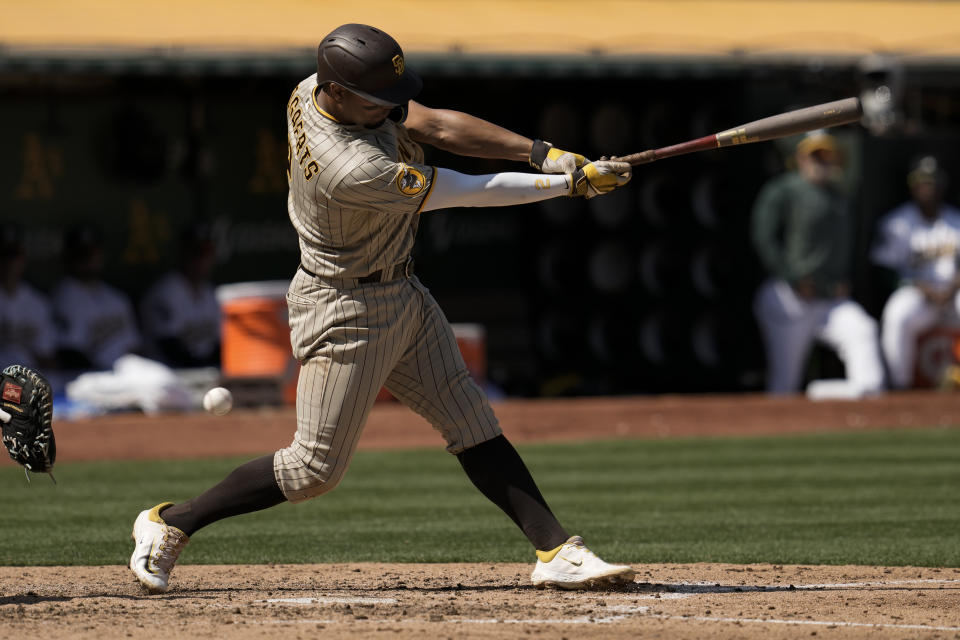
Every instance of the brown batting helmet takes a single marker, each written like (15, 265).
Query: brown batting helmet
(368, 62)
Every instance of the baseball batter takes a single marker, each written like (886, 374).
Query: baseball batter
(920, 241)
(359, 317)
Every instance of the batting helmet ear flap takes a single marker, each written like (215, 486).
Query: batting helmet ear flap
(369, 63)
(399, 113)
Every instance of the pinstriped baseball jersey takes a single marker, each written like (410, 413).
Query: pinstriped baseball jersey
(355, 198)
(355, 193)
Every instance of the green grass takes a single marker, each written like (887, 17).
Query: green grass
(884, 497)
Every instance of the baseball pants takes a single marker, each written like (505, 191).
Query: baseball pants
(353, 341)
(790, 325)
(906, 315)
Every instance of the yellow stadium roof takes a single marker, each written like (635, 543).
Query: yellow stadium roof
(744, 29)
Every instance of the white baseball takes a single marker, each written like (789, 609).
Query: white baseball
(218, 401)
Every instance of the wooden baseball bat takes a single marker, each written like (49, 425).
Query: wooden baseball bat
(821, 116)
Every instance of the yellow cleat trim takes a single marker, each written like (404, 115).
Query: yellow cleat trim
(547, 556)
(155, 512)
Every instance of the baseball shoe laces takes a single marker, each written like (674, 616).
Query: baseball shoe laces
(157, 546)
(573, 565)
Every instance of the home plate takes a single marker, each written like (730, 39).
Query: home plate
(330, 600)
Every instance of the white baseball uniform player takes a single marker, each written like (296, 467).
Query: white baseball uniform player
(183, 312)
(95, 320)
(920, 241)
(26, 326)
(360, 319)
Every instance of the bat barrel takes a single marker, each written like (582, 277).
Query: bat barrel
(821, 116)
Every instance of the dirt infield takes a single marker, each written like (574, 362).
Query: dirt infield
(481, 601)
(489, 600)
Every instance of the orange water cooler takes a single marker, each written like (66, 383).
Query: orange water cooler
(257, 363)
(472, 340)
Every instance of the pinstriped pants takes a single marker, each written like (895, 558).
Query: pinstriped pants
(350, 343)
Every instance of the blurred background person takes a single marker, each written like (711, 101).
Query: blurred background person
(26, 324)
(920, 242)
(95, 320)
(802, 230)
(180, 314)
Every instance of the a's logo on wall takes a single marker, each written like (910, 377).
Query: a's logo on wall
(398, 64)
(410, 181)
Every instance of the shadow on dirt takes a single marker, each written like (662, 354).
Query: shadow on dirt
(745, 588)
(32, 598)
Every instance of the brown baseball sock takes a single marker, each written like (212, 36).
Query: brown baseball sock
(496, 469)
(250, 487)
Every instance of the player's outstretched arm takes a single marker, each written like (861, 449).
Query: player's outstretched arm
(454, 189)
(467, 135)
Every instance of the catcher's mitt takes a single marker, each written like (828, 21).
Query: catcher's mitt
(26, 410)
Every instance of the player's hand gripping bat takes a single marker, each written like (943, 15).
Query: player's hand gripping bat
(821, 116)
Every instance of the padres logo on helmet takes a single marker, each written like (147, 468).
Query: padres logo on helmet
(368, 62)
(410, 181)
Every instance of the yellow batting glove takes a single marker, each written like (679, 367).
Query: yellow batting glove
(596, 178)
(546, 158)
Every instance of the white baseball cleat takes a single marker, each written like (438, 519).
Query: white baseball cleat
(573, 566)
(156, 548)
